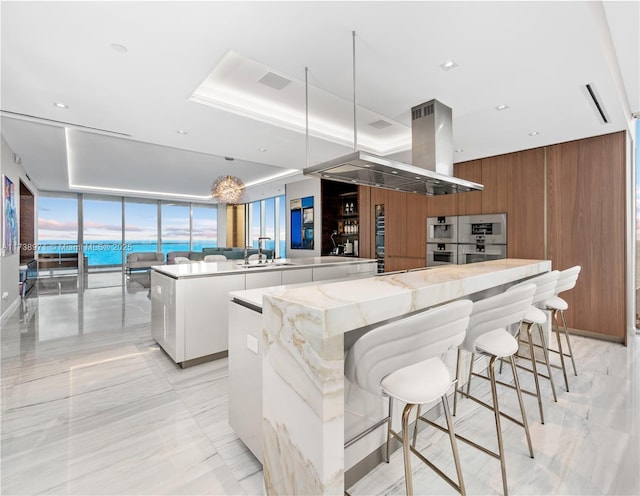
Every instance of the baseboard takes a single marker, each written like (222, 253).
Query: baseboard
(595, 335)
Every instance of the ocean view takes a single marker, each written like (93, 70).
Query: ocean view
(102, 253)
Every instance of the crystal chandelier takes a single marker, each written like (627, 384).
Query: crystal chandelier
(227, 189)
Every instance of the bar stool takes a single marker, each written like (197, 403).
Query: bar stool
(401, 360)
(488, 337)
(535, 316)
(566, 281)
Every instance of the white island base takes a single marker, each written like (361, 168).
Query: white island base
(302, 348)
(189, 302)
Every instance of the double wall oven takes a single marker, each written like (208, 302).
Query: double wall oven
(466, 239)
(442, 241)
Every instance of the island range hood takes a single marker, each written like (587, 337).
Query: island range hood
(432, 156)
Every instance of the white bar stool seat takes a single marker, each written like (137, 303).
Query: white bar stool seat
(566, 281)
(408, 384)
(487, 335)
(498, 343)
(536, 317)
(402, 360)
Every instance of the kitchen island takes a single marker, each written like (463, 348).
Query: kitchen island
(302, 348)
(189, 301)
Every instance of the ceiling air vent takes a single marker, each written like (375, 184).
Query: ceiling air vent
(598, 107)
(274, 81)
(380, 124)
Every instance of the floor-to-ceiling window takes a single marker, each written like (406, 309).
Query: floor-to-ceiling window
(281, 226)
(183, 226)
(140, 225)
(58, 234)
(266, 218)
(255, 227)
(204, 226)
(269, 222)
(176, 227)
(102, 231)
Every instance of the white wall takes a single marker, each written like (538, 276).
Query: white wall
(301, 189)
(9, 264)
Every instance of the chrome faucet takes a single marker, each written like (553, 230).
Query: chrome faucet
(260, 239)
(246, 254)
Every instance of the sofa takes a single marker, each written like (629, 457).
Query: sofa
(143, 260)
(230, 253)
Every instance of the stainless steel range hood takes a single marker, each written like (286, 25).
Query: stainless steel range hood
(432, 154)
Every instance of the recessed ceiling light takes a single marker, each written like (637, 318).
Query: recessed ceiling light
(181, 131)
(262, 149)
(534, 133)
(394, 172)
(448, 65)
(119, 48)
(502, 107)
(61, 105)
(458, 150)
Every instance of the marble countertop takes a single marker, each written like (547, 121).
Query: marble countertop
(370, 300)
(439, 284)
(302, 347)
(199, 269)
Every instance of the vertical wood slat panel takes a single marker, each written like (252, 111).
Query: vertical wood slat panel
(469, 203)
(416, 228)
(442, 205)
(395, 224)
(366, 219)
(495, 177)
(525, 204)
(586, 212)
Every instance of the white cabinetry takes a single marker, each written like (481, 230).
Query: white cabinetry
(245, 376)
(189, 316)
(297, 276)
(263, 279)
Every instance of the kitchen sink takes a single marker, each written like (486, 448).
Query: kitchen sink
(257, 265)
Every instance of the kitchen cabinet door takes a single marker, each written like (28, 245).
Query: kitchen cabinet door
(586, 223)
(442, 205)
(416, 225)
(496, 178)
(366, 248)
(525, 199)
(396, 224)
(469, 203)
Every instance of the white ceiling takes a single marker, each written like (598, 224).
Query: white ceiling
(125, 108)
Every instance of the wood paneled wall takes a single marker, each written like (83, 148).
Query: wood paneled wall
(586, 226)
(563, 202)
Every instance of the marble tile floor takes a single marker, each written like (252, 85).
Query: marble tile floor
(91, 405)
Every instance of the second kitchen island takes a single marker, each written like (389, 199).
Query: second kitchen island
(189, 301)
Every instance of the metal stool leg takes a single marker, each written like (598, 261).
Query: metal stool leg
(496, 412)
(389, 429)
(534, 367)
(454, 445)
(566, 335)
(545, 351)
(406, 448)
(525, 424)
(560, 352)
(455, 389)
